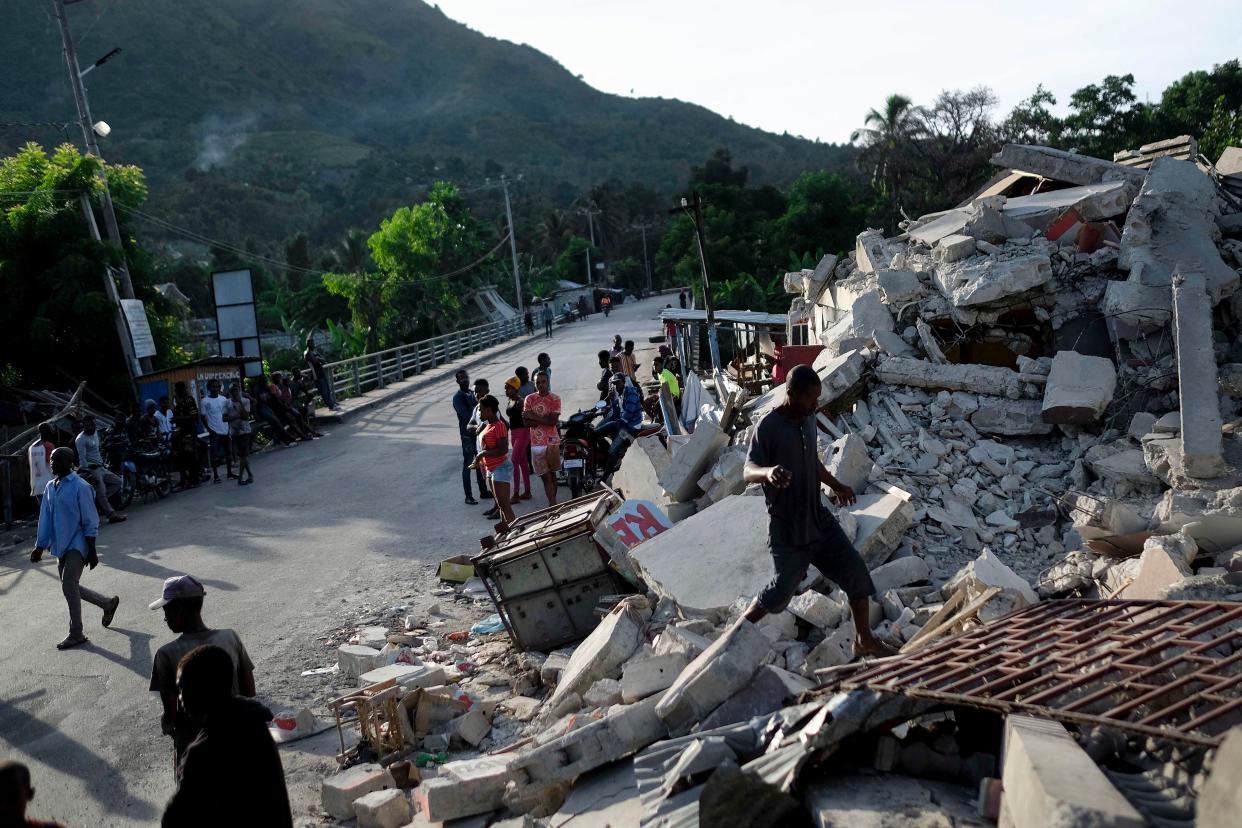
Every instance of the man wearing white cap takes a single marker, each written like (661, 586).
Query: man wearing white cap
(182, 602)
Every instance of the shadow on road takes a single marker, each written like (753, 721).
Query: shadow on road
(105, 784)
(139, 659)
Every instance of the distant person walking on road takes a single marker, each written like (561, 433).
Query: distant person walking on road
(464, 403)
(90, 461)
(16, 792)
(541, 412)
(219, 445)
(681, 299)
(521, 439)
(494, 456)
(548, 317)
(182, 602)
(39, 458)
(68, 526)
(231, 773)
(238, 416)
(323, 378)
(528, 319)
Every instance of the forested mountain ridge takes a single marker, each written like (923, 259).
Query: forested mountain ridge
(264, 119)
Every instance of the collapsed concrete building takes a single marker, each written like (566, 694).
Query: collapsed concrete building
(1035, 397)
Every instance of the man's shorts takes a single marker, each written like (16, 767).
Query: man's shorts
(219, 444)
(544, 459)
(502, 473)
(833, 555)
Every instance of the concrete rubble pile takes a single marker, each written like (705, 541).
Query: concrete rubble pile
(1034, 395)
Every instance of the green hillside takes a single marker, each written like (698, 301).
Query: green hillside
(261, 119)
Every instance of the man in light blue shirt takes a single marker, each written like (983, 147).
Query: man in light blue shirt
(68, 525)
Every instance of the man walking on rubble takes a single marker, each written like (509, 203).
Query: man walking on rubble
(784, 458)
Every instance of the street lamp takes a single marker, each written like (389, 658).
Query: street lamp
(102, 129)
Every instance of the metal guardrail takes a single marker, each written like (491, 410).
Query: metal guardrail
(351, 377)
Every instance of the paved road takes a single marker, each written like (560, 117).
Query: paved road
(276, 558)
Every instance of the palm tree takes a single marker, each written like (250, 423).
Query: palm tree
(885, 139)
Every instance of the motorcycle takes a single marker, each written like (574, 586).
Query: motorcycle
(583, 452)
(143, 467)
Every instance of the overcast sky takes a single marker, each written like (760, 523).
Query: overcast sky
(815, 67)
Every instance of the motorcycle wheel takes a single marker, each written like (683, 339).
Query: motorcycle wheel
(575, 484)
(163, 488)
(129, 485)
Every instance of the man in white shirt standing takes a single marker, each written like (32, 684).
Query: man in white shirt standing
(91, 464)
(164, 419)
(39, 456)
(212, 408)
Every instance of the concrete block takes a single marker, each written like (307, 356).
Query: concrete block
(1141, 425)
(817, 609)
(465, 788)
(603, 693)
(409, 676)
(716, 674)
(870, 251)
(847, 460)
(890, 342)
(1202, 445)
(705, 562)
(1010, 418)
(382, 809)
(833, 651)
(898, 286)
(954, 248)
(882, 523)
(339, 792)
(769, 691)
(648, 676)
(638, 476)
(987, 279)
(1158, 569)
(1093, 202)
(978, 379)
(355, 659)
(680, 641)
(469, 728)
(374, 637)
(1079, 388)
(988, 571)
(601, 654)
(680, 479)
(1050, 781)
(866, 317)
(554, 665)
(1220, 801)
(900, 572)
(1059, 165)
(1172, 224)
(838, 375)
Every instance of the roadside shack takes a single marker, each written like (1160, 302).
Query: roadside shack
(194, 374)
(750, 344)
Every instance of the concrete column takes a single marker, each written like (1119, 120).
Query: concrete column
(1202, 447)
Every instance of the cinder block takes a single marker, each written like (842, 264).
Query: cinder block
(817, 609)
(382, 809)
(640, 679)
(338, 793)
(355, 659)
(716, 674)
(471, 728)
(1050, 781)
(466, 788)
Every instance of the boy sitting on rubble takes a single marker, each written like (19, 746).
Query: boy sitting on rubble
(784, 458)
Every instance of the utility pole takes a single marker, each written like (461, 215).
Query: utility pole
(696, 201)
(643, 228)
(92, 148)
(122, 327)
(591, 211)
(517, 278)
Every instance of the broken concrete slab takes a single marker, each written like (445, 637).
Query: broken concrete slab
(988, 571)
(1202, 444)
(408, 676)
(898, 286)
(715, 674)
(1059, 165)
(954, 248)
(648, 676)
(988, 279)
(769, 691)
(1172, 224)
(705, 562)
(884, 801)
(1141, 425)
(1220, 801)
(1010, 418)
(1079, 388)
(1158, 570)
(639, 474)
(900, 572)
(603, 652)
(1092, 202)
(680, 479)
(465, 788)
(988, 225)
(338, 793)
(866, 316)
(382, 809)
(833, 651)
(838, 375)
(980, 379)
(847, 460)
(870, 251)
(1050, 780)
(817, 609)
(882, 523)
(678, 639)
(354, 659)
